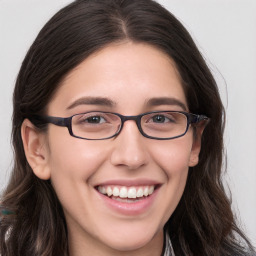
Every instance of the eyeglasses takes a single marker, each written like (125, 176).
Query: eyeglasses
(159, 125)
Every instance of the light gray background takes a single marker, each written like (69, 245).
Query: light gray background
(224, 30)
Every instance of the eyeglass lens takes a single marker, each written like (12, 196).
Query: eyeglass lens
(100, 125)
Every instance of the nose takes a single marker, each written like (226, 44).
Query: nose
(129, 147)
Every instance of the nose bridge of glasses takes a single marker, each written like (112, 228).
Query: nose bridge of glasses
(126, 118)
(132, 118)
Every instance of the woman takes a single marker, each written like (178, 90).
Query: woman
(118, 138)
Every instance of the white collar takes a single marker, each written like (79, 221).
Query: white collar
(168, 246)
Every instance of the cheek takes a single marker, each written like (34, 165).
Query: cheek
(173, 156)
(173, 159)
(72, 160)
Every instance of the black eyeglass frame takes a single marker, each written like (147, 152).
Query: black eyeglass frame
(67, 122)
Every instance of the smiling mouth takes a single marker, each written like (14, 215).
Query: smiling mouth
(127, 194)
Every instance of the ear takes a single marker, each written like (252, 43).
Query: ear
(196, 147)
(36, 149)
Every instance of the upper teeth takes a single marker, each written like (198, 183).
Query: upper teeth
(126, 192)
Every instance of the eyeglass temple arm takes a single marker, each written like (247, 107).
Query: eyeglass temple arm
(203, 118)
(198, 118)
(53, 120)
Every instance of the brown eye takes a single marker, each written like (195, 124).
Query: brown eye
(159, 119)
(95, 120)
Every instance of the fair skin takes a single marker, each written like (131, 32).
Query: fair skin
(129, 75)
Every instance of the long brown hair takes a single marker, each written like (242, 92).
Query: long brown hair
(203, 223)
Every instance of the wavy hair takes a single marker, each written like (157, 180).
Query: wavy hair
(203, 223)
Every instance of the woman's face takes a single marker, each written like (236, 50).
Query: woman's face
(129, 79)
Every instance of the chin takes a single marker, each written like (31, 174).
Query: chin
(132, 241)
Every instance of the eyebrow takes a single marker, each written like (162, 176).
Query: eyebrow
(92, 101)
(166, 101)
(102, 101)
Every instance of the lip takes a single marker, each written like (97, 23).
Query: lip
(140, 206)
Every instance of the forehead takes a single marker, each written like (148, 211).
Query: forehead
(124, 73)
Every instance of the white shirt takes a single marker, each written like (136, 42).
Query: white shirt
(168, 246)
